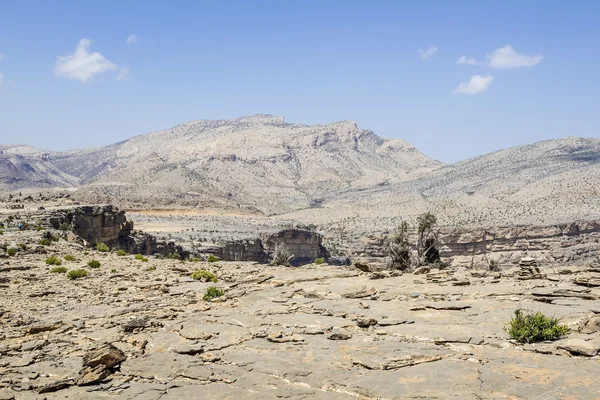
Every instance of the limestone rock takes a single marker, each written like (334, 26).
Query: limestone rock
(106, 355)
(580, 347)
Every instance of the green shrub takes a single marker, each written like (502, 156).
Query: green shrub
(64, 227)
(93, 264)
(69, 257)
(141, 258)
(529, 327)
(76, 274)
(39, 228)
(22, 246)
(212, 292)
(175, 256)
(320, 261)
(196, 259)
(113, 271)
(102, 247)
(44, 242)
(58, 270)
(152, 268)
(121, 253)
(204, 276)
(212, 258)
(47, 235)
(11, 251)
(53, 260)
(1, 232)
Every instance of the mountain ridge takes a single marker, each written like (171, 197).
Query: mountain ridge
(263, 163)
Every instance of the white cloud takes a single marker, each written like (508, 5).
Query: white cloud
(83, 65)
(123, 73)
(506, 57)
(477, 84)
(131, 39)
(425, 54)
(1, 56)
(465, 60)
(2, 76)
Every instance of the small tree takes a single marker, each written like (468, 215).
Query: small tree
(400, 248)
(281, 256)
(427, 239)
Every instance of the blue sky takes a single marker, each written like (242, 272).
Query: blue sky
(529, 70)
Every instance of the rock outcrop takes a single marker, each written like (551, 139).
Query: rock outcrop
(306, 246)
(549, 244)
(567, 242)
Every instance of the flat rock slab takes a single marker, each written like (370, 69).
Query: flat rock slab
(447, 306)
(580, 347)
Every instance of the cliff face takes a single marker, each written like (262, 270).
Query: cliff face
(553, 243)
(577, 241)
(109, 225)
(305, 245)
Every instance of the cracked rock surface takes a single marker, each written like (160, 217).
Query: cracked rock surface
(141, 330)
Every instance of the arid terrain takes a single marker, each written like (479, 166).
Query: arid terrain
(332, 174)
(141, 330)
(516, 229)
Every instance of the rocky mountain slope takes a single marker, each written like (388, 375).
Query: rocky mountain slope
(320, 173)
(542, 183)
(260, 161)
(26, 166)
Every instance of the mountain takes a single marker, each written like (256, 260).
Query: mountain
(545, 182)
(258, 162)
(25, 166)
(323, 173)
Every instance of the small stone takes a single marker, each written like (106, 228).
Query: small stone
(366, 322)
(56, 386)
(90, 376)
(107, 355)
(339, 335)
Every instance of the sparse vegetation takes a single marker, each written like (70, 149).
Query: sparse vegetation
(281, 256)
(152, 268)
(103, 247)
(141, 258)
(113, 271)
(427, 238)
(11, 251)
(494, 266)
(39, 228)
(211, 258)
(529, 327)
(69, 257)
(212, 292)
(47, 238)
(58, 270)
(122, 253)
(400, 248)
(175, 256)
(53, 260)
(93, 264)
(76, 274)
(196, 259)
(64, 227)
(319, 261)
(204, 276)
(22, 246)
